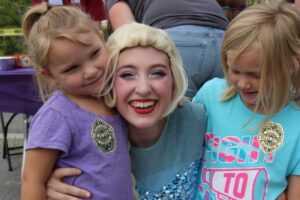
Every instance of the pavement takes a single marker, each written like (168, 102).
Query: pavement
(10, 180)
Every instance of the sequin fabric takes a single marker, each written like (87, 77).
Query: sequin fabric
(182, 186)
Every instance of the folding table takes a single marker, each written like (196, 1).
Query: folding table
(18, 95)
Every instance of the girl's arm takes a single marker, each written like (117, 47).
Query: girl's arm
(38, 166)
(57, 190)
(293, 190)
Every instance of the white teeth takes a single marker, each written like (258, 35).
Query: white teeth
(142, 104)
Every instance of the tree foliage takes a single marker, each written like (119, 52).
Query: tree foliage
(12, 12)
(11, 17)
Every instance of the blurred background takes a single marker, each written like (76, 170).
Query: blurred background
(11, 41)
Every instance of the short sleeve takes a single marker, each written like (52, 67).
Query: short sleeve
(49, 129)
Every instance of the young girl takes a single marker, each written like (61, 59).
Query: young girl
(74, 128)
(253, 138)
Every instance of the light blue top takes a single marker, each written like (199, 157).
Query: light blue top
(234, 165)
(174, 159)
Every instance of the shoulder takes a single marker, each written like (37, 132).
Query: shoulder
(292, 110)
(56, 99)
(190, 112)
(53, 108)
(211, 90)
(188, 124)
(59, 102)
(190, 107)
(215, 83)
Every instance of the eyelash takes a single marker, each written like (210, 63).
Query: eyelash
(130, 75)
(71, 68)
(256, 76)
(159, 73)
(235, 72)
(126, 75)
(95, 53)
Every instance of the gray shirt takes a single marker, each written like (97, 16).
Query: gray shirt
(169, 13)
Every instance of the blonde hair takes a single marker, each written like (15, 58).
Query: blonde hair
(42, 24)
(133, 35)
(275, 28)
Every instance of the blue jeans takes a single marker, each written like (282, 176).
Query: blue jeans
(200, 50)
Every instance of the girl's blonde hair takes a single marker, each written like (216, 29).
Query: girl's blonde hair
(134, 35)
(43, 24)
(275, 28)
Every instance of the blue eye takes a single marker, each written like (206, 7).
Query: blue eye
(159, 73)
(127, 75)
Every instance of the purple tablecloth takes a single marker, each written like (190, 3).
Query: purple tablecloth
(19, 92)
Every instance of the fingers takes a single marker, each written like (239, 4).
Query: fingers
(63, 191)
(62, 172)
(53, 195)
(57, 190)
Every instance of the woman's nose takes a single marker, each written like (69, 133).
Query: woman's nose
(143, 86)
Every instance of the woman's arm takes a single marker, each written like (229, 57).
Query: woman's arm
(57, 190)
(120, 14)
(293, 190)
(38, 166)
(297, 3)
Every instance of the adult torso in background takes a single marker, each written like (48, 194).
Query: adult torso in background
(169, 13)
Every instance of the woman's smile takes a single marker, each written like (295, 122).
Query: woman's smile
(143, 106)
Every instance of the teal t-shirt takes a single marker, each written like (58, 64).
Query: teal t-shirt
(234, 164)
(169, 168)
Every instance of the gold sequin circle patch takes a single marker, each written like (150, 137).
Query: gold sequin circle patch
(270, 137)
(103, 136)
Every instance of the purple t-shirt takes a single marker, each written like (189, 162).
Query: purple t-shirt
(97, 145)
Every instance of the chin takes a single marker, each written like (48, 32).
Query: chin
(141, 124)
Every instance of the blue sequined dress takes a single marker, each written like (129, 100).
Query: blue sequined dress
(169, 168)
